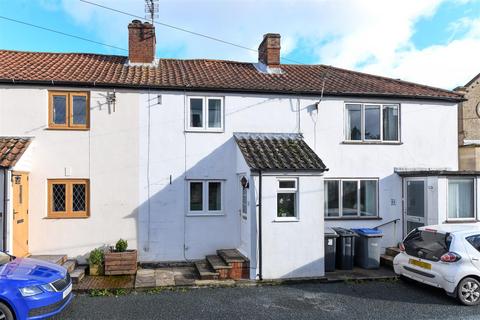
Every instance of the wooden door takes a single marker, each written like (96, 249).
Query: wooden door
(20, 213)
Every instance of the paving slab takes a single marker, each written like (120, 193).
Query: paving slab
(105, 282)
(185, 276)
(164, 277)
(360, 274)
(145, 278)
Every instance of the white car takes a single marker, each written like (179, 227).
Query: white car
(446, 256)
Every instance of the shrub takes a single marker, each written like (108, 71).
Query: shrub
(121, 245)
(96, 257)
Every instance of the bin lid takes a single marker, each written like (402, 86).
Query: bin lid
(329, 232)
(342, 232)
(368, 232)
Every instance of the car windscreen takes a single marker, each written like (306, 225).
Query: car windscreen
(4, 258)
(426, 244)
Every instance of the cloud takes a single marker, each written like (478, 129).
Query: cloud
(366, 35)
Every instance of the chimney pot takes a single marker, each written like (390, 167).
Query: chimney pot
(141, 42)
(269, 50)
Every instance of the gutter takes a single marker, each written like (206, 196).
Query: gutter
(5, 208)
(226, 90)
(260, 256)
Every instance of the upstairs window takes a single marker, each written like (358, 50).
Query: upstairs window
(372, 122)
(68, 110)
(205, 114)
(68, 198)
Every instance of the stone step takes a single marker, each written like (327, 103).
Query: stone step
(78, 274)
(386, 260)
(59, 259)
(205, 271)
(217, 263)
(70, 265)
(392, 251)
(231, 255)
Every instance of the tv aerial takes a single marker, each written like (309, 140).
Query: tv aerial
(151, 10)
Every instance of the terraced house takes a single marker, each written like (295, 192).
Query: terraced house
(186, 157)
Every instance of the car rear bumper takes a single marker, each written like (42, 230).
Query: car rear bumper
(432, 277)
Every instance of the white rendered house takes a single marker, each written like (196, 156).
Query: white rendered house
(185, 157)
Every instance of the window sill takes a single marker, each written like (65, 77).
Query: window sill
(286, 220)
(205, 214)
(67, 129)
(461, 221)
(351, 218)
(65, 218)
(205, 130)
(392, 143)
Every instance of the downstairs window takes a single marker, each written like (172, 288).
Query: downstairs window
(68, 198)
(350, 198)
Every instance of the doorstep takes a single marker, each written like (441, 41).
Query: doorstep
(359, 274)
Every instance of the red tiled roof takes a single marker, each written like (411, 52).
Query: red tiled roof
(111, 71)
(11, 149)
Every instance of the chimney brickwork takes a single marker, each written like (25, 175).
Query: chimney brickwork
(141, 42)
(269, 50)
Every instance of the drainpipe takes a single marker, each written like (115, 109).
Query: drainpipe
(5, 208)
(260, 275)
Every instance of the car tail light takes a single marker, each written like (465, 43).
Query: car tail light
(401, 247)
(450, 257)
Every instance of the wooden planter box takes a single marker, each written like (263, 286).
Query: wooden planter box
(119, 263)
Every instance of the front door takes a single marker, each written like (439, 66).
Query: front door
(20, 213)
(243, 213)
(415, 206)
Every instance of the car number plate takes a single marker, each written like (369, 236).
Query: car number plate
(67, 291)
(421, 264)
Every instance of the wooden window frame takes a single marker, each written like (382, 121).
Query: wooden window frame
(68, 213)
(69, 125)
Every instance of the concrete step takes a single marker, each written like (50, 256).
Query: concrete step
(392, 251)
(70, 265)
(217, 263)
(59, 259)
(231, 255)
(205, 271)
(386, 260)
(78, 274)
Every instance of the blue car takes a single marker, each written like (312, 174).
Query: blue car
(32, 289)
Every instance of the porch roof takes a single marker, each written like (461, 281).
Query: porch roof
(435, 172)
(278, 152)
(12, 149)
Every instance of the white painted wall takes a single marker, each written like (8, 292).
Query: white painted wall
(293, 249)
(139, 157)
(107, 154)
(2, 205)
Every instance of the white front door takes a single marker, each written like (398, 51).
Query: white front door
(244, 218)
(415, 205)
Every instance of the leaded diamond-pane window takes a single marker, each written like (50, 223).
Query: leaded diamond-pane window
(68, 198)
(78, 197)
(58, 195)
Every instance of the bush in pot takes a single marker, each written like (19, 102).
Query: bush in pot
(95, 261)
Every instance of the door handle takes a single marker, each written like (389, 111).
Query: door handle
(474, 259)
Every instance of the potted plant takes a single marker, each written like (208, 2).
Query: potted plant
(95, 261)
(119, 260)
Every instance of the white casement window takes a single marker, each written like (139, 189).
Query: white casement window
(351, 198)
(205, 197)
(461, 199)
(287, 199)
(372, 122)
(205, 114)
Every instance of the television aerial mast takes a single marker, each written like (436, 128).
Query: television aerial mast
(151, 10)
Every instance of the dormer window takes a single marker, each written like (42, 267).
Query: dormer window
(205, 114)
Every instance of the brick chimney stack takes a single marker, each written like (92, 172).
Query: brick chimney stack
(269, 50)
(141, 42)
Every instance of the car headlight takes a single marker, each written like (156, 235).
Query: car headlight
(47, 287)
(30, 291)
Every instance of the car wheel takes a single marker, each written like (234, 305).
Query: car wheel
(5, 312)
(468, 291)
